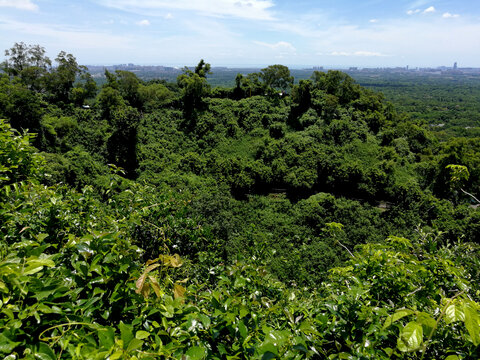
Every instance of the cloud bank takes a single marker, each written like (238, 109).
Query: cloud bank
(19, 4)
(245, 9)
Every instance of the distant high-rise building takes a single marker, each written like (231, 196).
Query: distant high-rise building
(455, 66)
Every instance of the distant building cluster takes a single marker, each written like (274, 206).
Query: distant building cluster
(153, 71)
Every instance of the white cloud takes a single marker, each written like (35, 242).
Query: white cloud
(63, 37)
(246, 9)
(19, 4)
(357, 53)
(447, 15)
(340, 53)
(143, 23)
(281, 45)
(401, 41)
(368, 53)
(168, 16)
(430, 9)
(373, 21)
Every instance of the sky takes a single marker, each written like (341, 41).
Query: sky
(299, 33)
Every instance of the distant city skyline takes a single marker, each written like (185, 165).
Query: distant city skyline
(255, 33)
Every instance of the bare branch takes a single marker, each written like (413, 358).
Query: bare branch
(472, 196)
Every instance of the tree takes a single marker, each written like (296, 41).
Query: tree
(85, 88)
(154, 96)
(459, 175)
(20, 105)
(27, 62)
(109, 99)
(337, 83)
(122, 144)
(202, 69)
(129, 84)
(302, 100)
(194, 87)
(18, 159)
(238, 92)
(60, 81)
(277, 76)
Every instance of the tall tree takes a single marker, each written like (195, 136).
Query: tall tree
(20, 105)
(202, 69)
(27, 62)
(194, 87)
(85, 88)
(60, 81)
(128, 85)
(122, 144)
(277, 76)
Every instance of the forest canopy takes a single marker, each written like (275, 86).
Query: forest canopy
(146, 219)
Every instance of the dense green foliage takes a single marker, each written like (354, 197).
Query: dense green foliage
(267, 220)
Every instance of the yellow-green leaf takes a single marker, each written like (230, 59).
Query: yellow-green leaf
(472, 322)
(140, 283)
(140, 335)
(397, 316)
(454, 312)
(410, 338)
(156, 286)
(151, 267)
(178, 290)
(116, 355)
(176, 261)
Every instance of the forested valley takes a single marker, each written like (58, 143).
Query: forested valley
(271, 219)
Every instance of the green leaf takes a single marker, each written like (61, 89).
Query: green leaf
(142, 334)
(267, 348)
(472, 322)
(428, 323)
(134, 345)
(7, 345)
(411, 337)
(41, 237)
(126, 334)
(45, 352)
(205, 320)
(396, 316)
(34, 265)
(240, 282)
(242, 329)
(277, 338)
(196, 353)
(453, 357)
(453, 313)
(106, 337)
(116, 355)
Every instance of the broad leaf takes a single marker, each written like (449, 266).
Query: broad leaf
(411, 337)
(397, 316)
(453, 313)
(196, 353)
(472, 322)
(178, 291)
(126, 334)
(141, 334)
(106, 337)
(428, 323)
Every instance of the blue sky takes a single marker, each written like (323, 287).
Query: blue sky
(340, 33)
